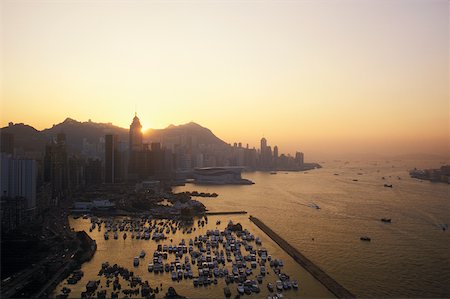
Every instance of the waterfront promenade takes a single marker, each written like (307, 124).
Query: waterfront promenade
(315, 271)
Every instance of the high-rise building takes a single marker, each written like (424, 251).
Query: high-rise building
(19, 178)
(113, 173)
(7, 143)
(275, 157)
(299, 159)
(136, 134)
(135, 148)
(56, 169)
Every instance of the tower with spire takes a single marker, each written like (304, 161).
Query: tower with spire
(135, 146)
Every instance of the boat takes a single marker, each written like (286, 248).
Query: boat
(295, 284)
(273, 172)
(387, 220)
(270, 287)
(124, 236)
(227, 292)
(279, 285)
(136, 261)
(365, 238)
(388, 185)
(259, 278)
(142, 254)
(116, 235)
(150, 267)
(106, 236)
(240, 288)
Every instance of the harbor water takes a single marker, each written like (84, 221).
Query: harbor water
(324, 212)
(122, 251)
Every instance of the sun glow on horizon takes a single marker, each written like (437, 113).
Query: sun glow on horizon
(313, 76)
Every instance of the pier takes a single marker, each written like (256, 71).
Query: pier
(331, 284)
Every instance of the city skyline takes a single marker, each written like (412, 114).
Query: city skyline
(325, 78)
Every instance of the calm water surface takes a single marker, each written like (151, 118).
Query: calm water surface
(409, 257)
(122, 252)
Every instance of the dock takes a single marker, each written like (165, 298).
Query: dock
(332, 285)
(226, 213)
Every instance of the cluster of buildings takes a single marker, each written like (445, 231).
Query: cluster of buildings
(435, 175)
(35, 182)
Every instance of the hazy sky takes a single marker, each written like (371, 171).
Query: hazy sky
(317, 76)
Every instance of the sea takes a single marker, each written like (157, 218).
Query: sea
(324, 213)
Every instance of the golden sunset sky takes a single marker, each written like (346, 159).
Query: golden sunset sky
(316, 76)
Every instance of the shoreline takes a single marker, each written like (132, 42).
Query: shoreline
(331, 284)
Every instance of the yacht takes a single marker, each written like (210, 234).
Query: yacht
(142, 255)
(150, 267)
(295, 284)
(270, 287)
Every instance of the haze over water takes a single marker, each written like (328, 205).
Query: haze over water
(406, 258)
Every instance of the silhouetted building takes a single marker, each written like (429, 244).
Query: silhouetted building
(56, 168)
(18, 191)
(7, 143)
(299, 159)
(135, 149)
(275, 157)
(93, 172)
(113, 173)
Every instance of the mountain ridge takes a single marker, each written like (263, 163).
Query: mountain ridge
(79, 133)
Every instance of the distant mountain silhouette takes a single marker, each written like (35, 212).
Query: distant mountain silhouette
(77, 131)
(30, 139)
(190, 133)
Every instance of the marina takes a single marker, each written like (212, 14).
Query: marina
(209, 256)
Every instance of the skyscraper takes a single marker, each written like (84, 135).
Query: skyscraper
(135, 147)
(112, 159)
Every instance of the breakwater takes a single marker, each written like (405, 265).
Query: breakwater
(303, 261)
(226, 213)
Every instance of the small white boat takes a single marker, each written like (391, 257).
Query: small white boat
(279, 285)
(142, 255)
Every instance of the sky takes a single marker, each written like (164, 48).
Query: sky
(322, 77)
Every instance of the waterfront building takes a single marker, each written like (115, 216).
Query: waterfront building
(299, 159)
(220, 176)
